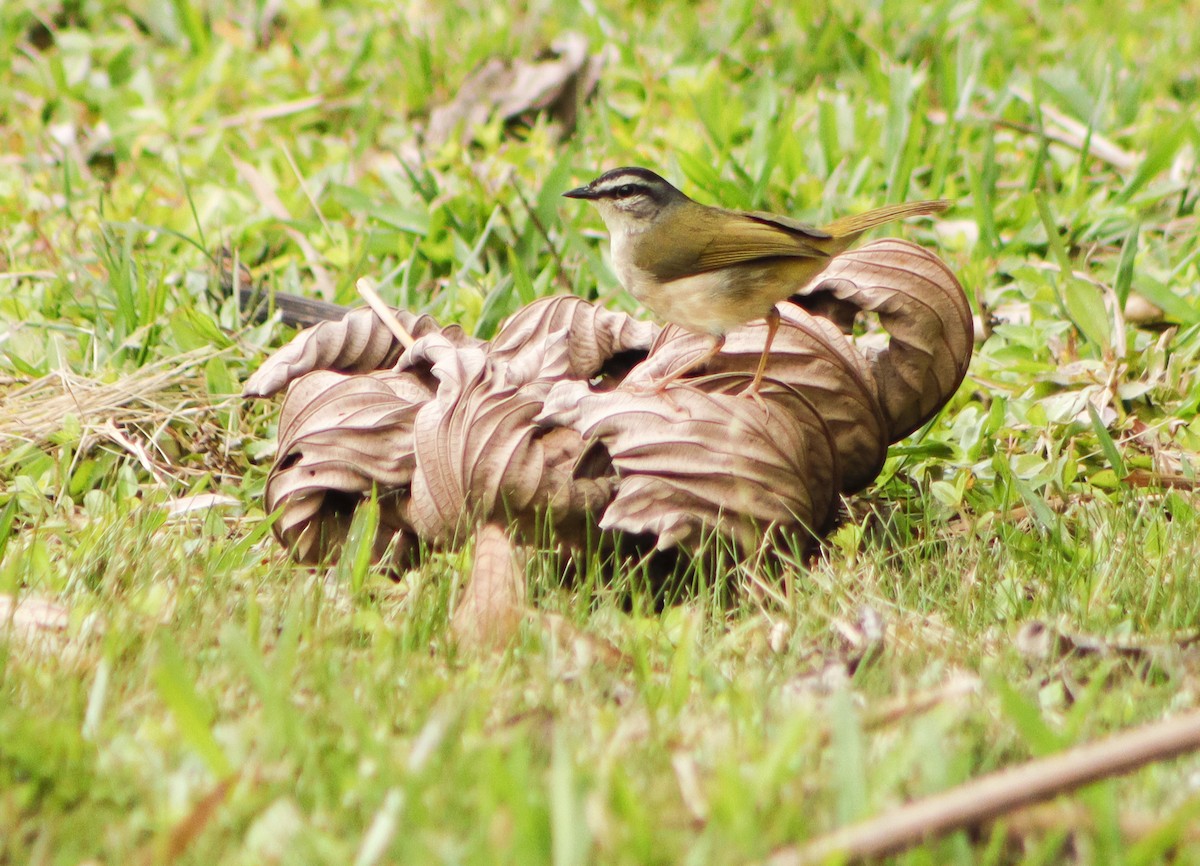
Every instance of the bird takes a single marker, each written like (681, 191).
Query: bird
(710, 269)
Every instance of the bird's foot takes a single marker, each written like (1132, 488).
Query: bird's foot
(753, 391)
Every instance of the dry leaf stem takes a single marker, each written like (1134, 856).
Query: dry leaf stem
(384, 312)
(183, 834)
(493, 601)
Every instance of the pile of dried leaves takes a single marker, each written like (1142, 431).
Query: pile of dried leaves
(555, 422)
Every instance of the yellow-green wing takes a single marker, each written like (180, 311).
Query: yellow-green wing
(749, 236)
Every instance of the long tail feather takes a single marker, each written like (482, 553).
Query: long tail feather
(852, 226)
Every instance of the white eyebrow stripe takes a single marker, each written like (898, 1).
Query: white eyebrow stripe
(614, 184)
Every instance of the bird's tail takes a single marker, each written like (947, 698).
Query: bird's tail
(852, 226)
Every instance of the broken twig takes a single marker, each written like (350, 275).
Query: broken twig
(384, 312)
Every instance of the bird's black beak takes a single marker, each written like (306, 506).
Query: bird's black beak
(580, 192)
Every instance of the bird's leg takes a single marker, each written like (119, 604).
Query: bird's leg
(662, 384)
(772, 326)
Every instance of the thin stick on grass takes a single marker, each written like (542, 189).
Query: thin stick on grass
(1059, 129)
(1076, 135)
(997, 794)
(384, 312)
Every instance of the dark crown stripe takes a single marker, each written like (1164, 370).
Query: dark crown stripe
(626, 175)
(642, 180)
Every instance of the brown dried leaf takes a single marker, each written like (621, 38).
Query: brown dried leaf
(475, 442)
(709, 460)
(1041, 642)
(1141, 312)
(357, 343)
(556, 83)
(565, 336)
(31, 614)
(339, 436)
(184, 506)
(922, 307)
(478, 452)
(493, 601)
(579, 650)
(559, 416)
(810, 356)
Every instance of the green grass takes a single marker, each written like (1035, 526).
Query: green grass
(136, 139)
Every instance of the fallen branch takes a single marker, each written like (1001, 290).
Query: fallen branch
(258, 303)
(996, 794)
(1060, 129)
(1164, 480)
(269, 112)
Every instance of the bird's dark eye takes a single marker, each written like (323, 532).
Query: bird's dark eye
(626, 190)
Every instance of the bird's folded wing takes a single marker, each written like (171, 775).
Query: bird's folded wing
(749, 236)
(792, 226)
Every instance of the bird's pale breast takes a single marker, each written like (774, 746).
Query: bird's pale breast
(718, 301)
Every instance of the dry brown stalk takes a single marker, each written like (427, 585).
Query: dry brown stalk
(922, 702)
(384, 312)
(184, 834)
(1067, 130)
(1060, 129)
(997, 794)
(268, 112)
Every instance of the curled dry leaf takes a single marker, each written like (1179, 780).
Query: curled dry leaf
(479, 453)
(924, 311)
(557, 418)
(357, 343)
(812, 362)
(443, 435)
(340, 436)
(702, 459)
(560, 337)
